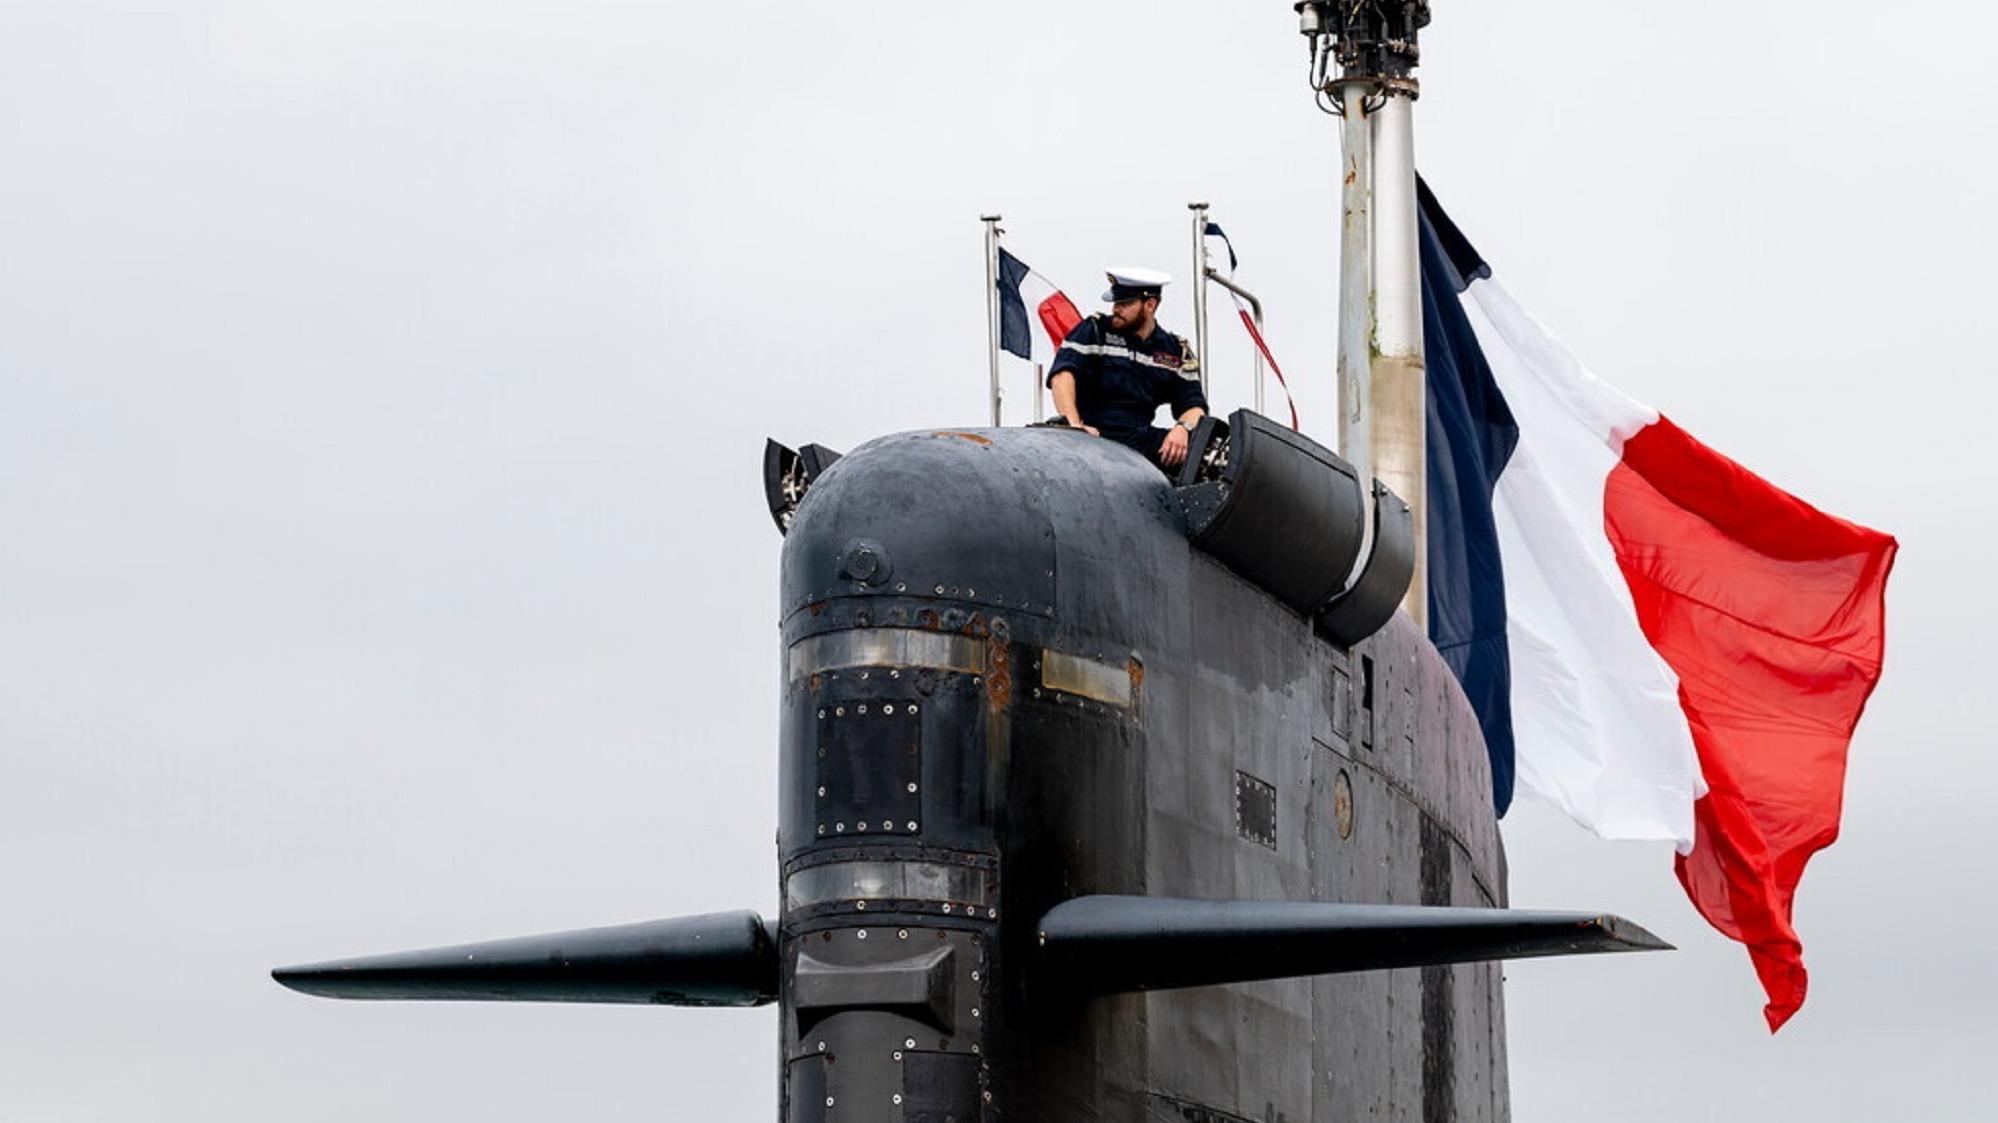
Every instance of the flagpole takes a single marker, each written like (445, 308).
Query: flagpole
(1200, 289)
(1040, 380)
(992, 232)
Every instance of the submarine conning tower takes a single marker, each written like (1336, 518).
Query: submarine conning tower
(1021, 667)
(1103, 797)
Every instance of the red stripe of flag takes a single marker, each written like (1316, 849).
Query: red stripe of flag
(1058, 315)
(1772, 613)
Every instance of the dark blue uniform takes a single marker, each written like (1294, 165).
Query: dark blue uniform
(1121, 380)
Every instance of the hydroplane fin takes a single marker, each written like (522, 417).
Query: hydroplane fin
(720, 959)
(1109, 944)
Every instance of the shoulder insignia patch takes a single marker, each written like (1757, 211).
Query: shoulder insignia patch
(1189, 366)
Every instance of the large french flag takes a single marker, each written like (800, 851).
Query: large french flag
(1656, 640)
(1024, 293)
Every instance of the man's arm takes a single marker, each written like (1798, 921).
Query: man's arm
(1189, 405)
(1173, 452)
(1062, 382)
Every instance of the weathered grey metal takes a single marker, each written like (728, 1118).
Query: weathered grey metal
(1397, 396)
(1199, 287)
(1382, 392)
(1356, 283)
(1087, 678)
(919, 981)
(1062, 796)
(960, 536)
(723, 959)
(878, 879)
(886, 647)
(991, 222)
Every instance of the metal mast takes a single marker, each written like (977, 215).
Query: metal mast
(1200, 272)
(992, 232)
(1382, 392)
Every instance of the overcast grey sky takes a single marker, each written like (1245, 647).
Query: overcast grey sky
(382, 552)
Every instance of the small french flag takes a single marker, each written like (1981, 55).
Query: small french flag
(1020, 288)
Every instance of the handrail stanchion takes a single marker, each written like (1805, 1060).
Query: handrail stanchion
(1256, 314)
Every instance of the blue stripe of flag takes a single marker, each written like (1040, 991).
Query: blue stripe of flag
(1014, 331)
(1471, 436)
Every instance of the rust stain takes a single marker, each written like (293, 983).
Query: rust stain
(928, 619)
(975, 627)
(1342, 804)
(817, 680)
(998, 675)
(817, 608)
(974, 438)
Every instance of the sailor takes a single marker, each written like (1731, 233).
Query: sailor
(1115, 370)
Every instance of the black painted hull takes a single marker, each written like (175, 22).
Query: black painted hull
(1103, 709)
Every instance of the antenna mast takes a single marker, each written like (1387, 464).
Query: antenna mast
(1382, 392)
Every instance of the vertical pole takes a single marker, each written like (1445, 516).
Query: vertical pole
(1200, 288)
(1399, 391)
(1040, 387)
(1258, 357)
(991, 222)
(1356, 296)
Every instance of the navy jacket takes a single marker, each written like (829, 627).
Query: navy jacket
(1121, 380)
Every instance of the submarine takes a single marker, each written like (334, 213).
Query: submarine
(1103, 796)
(1108, 795)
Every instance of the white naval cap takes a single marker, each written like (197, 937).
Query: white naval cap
(1131, 283)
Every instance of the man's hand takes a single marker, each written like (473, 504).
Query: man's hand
(1062, 382)
(1173, 452)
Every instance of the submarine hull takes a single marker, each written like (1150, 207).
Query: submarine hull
(1011, 680)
